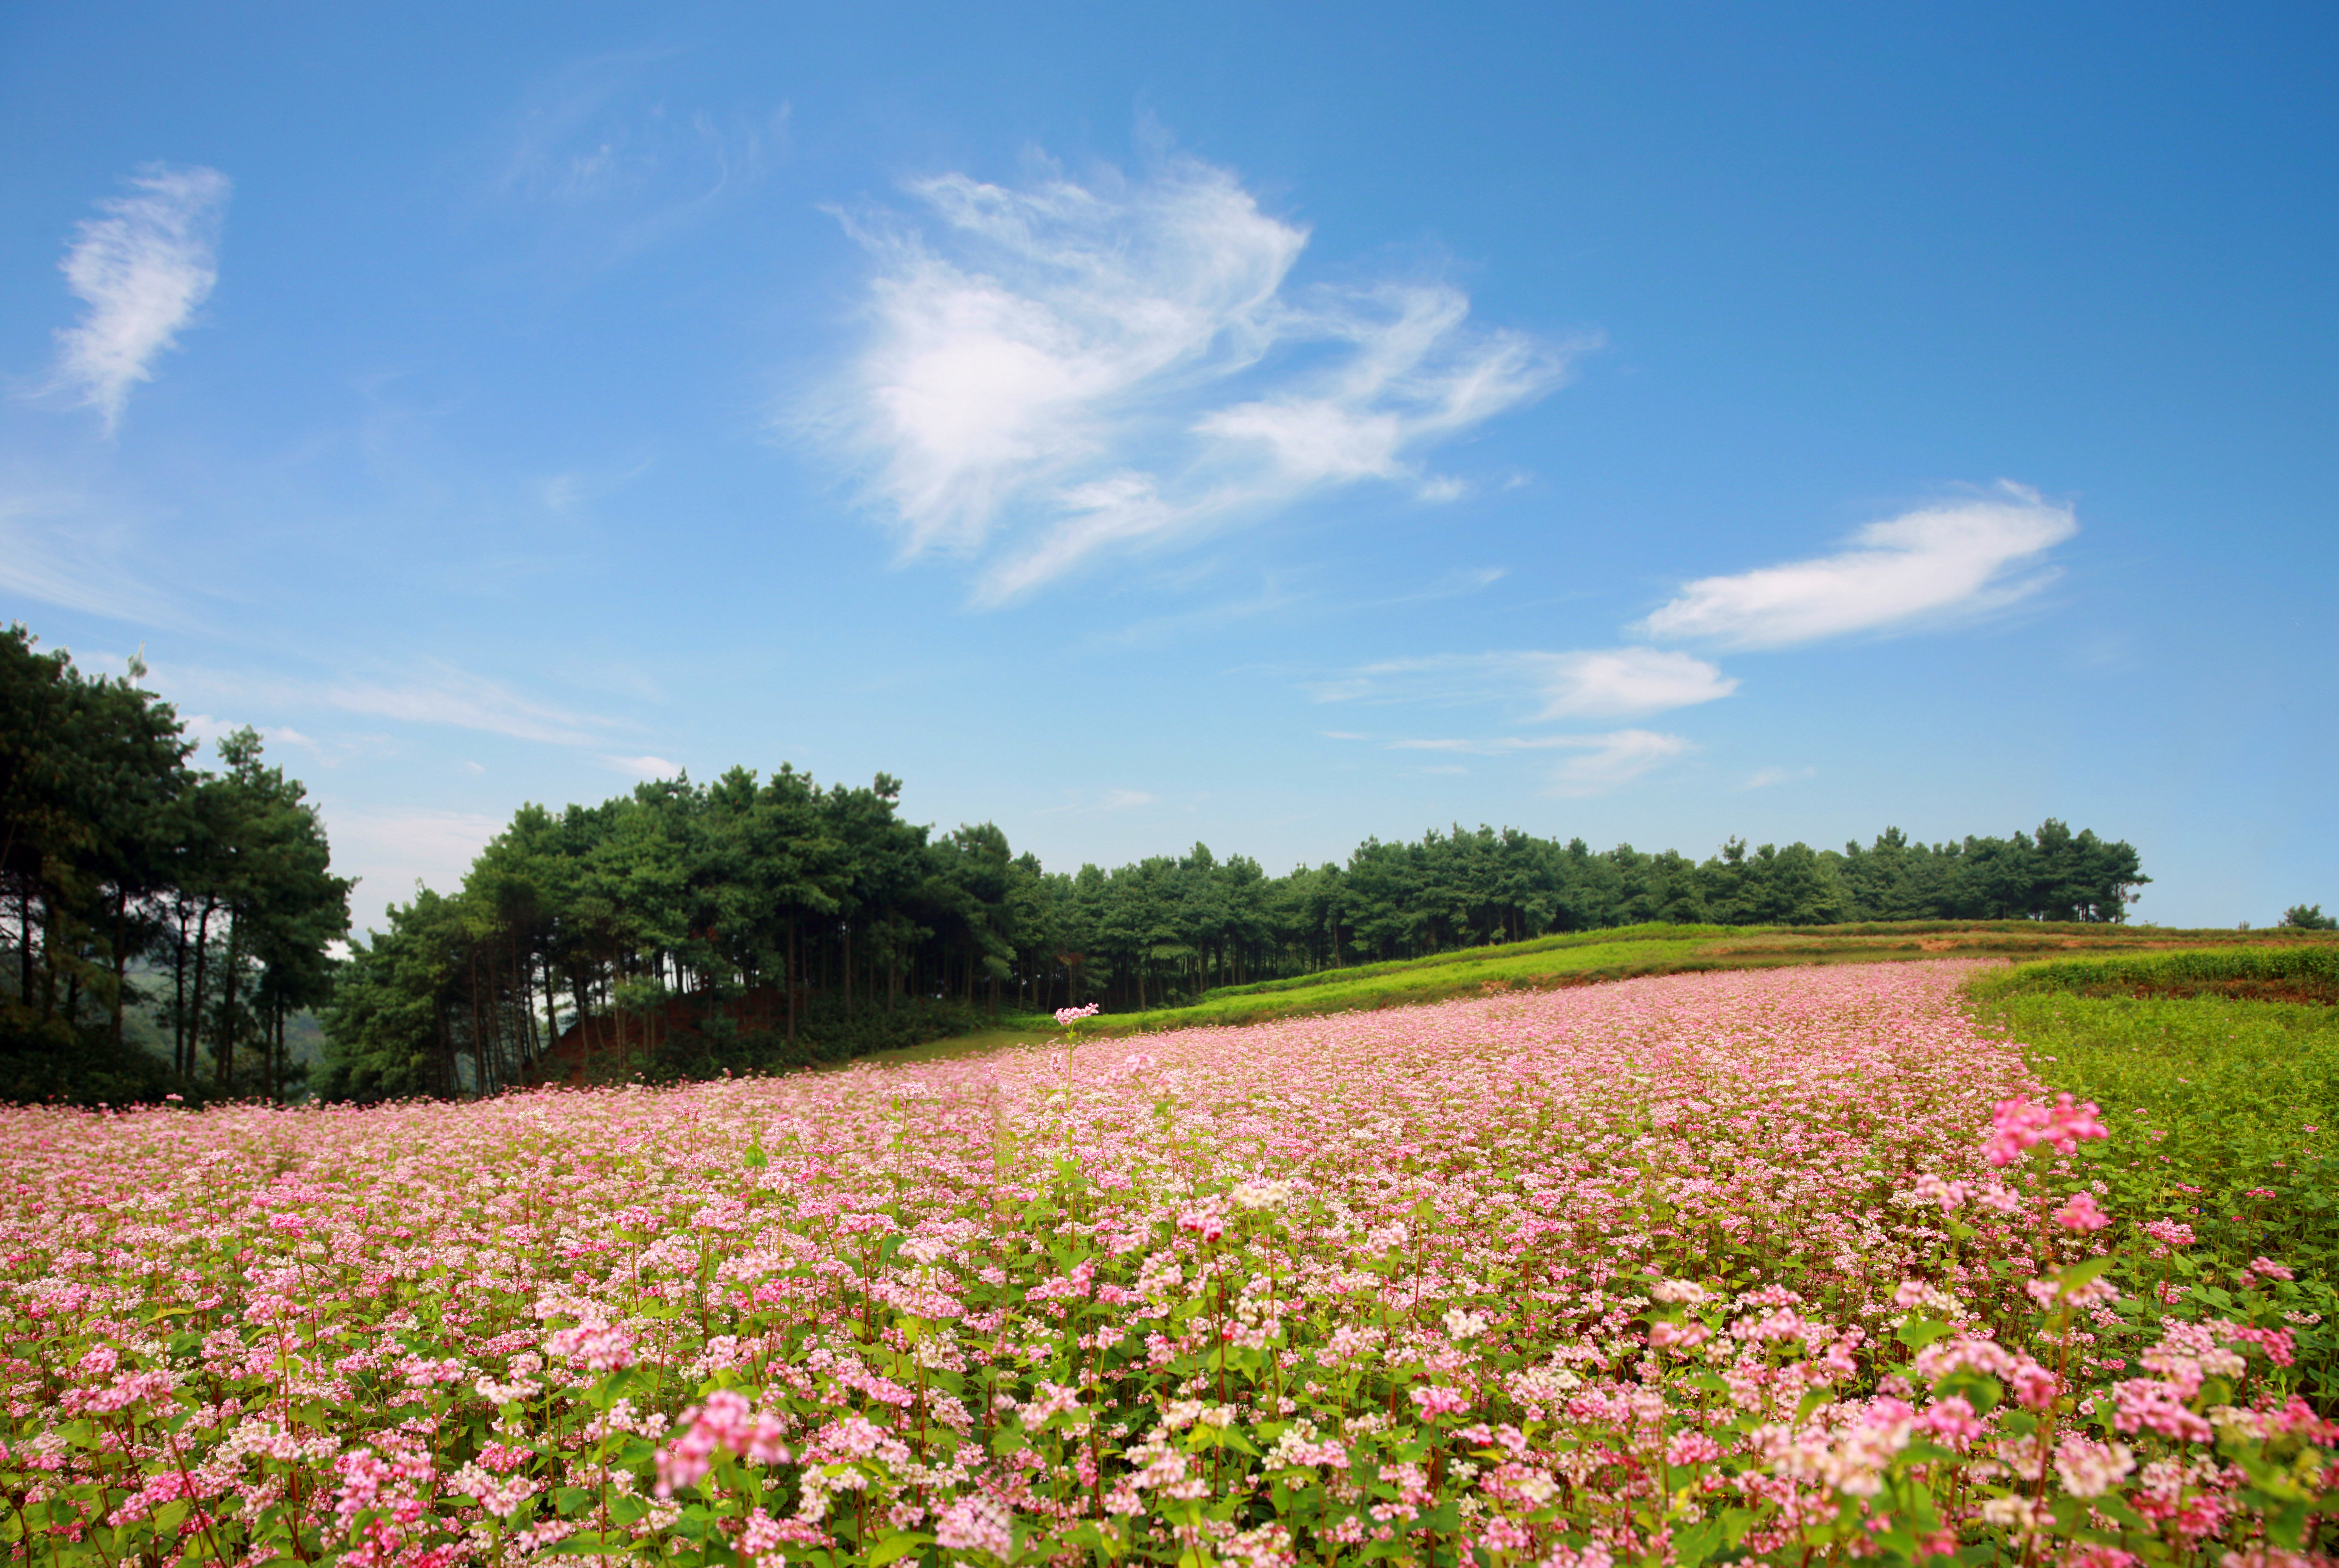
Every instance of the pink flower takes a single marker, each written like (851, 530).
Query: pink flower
(1691, 1448)
(977, 1524)
(1435, 1400)
(2035, 1387)
(596, 1347)
(2081, 1213)
(1952, 1420)
(2018, 1124)
(1200, 1222)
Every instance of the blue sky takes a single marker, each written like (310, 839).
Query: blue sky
(1267, 426)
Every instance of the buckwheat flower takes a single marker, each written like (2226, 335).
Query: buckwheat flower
(1915, 1293)
(2034, 1386)
(2090, 1469)
(1953, 1421)
(1678, 1336)
(976, 1523)
(1461, 1326)
(500, 1497)
(1202, 1223)
(2081, 1213)
(2017, 1125)
(1435, 1400)
(1691, 1448)
(1263, 1194)
(2267, 1268)
(596, 1347)
(1947, 1195)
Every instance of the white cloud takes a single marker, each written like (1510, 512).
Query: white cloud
(389, 850)
(143, 270)
(68, 549)
(644, 767)
(1612, 761)
(1927, 564)
(1617, 680)
(1603, 682)
(1764, 778)
(1060, 370)
(1082, 803)
(466, 701)
(1608, 760)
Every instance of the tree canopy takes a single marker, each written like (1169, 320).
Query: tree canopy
(760, 921)
(123, 867)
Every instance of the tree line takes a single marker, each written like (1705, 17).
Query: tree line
(159, 924)
(762, 921)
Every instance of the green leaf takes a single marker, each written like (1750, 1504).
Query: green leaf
(592, 1545)
(894, 1546)
(1696, 1543)
(755, 1159)
(1919, 1332)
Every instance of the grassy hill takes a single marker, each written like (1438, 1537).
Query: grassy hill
(1585, 958)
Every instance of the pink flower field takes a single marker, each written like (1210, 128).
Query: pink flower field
(1785, 1266)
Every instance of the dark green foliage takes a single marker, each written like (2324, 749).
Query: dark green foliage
(2309, 917)
(118, 862)
(2224, 1115)
(756, 924)
(2306, 972)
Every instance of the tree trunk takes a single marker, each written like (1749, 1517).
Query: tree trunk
(180, 1061)
(121, 958)
(195, 1013)
(25, 943)
(225, 1055)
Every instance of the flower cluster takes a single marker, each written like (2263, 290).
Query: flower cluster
(1772, 1266)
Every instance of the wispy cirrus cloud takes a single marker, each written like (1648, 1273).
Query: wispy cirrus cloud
(643, 767)
(1605, 683)
(391, 851)
(452, 697)
(1086, 803)
(142, 269)
(435, 692)
(64, 547)
(1061, 369)
(1613, 760)
(1956, 559)
(1604, 761)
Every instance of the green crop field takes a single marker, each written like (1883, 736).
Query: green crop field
(2224, 1108)
(1581, 958)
